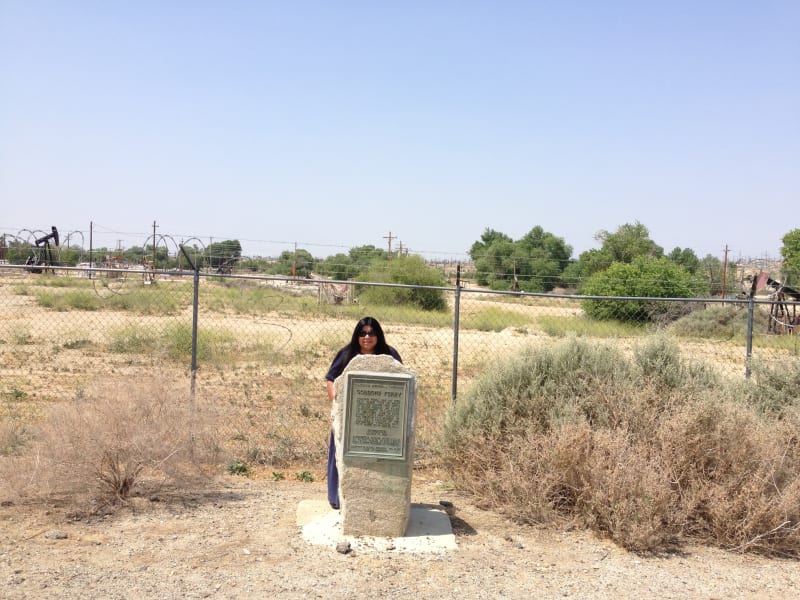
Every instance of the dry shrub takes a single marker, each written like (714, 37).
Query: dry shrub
(535, 477)
(776, 385)
(14, 436)
(113, 441)
(573, 473)
(627, 495)
(646, 450)
(738, 475)
(716, 322)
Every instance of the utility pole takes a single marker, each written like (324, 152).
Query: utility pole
(390, 238)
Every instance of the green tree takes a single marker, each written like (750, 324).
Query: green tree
(252, 264)
(297, 263)
(69, 257)
(533, 263)
(497, 265)
(339, 266)
(17, 251)
(628, 242)
(221, 255)
(644, 277)
(589, 262)
(135, 254)
(686, 258)
(363, 256)
(710, 271)
(790, 252)
(488, 237)
(544, 257)
(488, 254)
(408, 270)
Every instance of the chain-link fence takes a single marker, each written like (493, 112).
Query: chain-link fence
(261, 345)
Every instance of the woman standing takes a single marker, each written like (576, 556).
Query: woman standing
(367, 338)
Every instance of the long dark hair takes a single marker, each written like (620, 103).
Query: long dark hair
(354, 349)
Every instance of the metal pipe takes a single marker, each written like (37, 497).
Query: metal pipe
(195, 304)
(456, 304)
(749, 352)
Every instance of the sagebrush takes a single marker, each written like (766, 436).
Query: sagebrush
(643, 447)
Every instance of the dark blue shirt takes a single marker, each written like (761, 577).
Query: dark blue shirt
(338, 365)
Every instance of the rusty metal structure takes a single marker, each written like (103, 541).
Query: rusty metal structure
(784, 317)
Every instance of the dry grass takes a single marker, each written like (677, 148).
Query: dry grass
(110, 442)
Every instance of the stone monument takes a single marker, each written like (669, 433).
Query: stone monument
(373, 424)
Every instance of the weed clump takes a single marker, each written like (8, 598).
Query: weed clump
(643, 447)
(238, 467)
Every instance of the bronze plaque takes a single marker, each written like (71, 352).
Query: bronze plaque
(378, 413)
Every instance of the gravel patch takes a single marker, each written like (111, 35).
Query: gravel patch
(242, 540)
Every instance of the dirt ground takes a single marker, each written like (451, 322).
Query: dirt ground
(241, 540)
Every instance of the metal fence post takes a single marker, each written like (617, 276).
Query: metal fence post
(195, 302)
(749, 352)
(455, 331)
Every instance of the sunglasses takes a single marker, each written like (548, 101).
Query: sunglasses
(363, 333)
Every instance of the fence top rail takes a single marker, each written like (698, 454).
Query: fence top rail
(578, 297)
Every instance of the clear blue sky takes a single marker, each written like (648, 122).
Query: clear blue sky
(332, 123)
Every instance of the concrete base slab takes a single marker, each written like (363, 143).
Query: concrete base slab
(429, 530)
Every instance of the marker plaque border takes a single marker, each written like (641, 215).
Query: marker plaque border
(358, 380)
